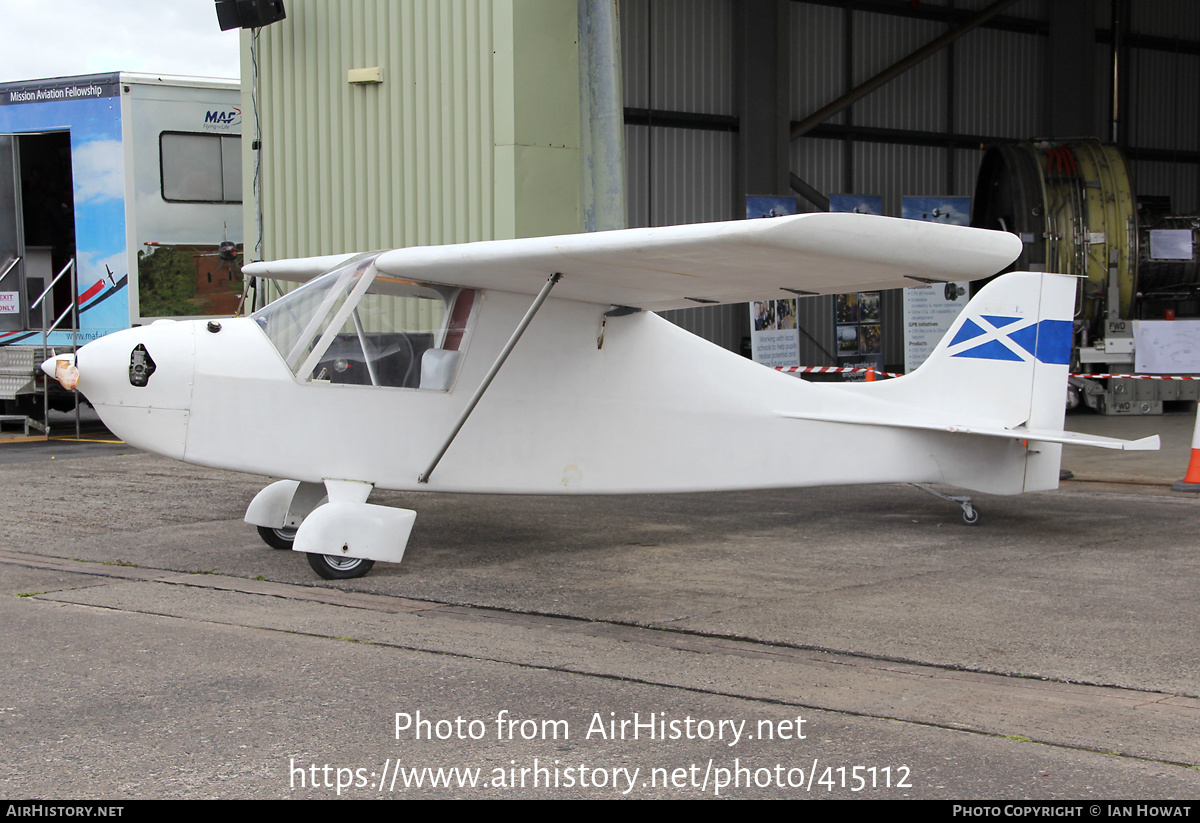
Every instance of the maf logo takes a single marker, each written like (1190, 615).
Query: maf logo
(226, 117)
(995, 337)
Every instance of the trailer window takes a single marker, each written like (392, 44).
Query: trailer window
(200, 168)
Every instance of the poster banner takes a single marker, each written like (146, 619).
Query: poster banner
(758, 206)
(955, 211)
(859, 335)
(774, 337)
(929, 311)
(856, 203)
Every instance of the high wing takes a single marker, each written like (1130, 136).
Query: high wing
(298, 269)
(681, 266)
(732, 262)
(684, 266)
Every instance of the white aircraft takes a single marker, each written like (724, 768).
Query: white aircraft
(429, 369)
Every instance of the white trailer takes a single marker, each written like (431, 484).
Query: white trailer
(130, 187)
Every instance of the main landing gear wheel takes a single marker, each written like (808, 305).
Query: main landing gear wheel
(277, 538)
(332, 567)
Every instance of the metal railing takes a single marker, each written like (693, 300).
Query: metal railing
(9, 266)
(72, 308)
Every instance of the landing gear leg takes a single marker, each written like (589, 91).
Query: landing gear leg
(970, 514)
(280, 508)
(332, 523)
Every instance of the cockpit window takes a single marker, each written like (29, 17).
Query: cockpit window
(358, 326)
(296, 321)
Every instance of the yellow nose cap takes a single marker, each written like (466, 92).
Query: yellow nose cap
(62, 368)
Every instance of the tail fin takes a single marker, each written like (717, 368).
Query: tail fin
(998, 377)
(1004, 362)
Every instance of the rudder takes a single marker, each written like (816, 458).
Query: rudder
(1003, 364)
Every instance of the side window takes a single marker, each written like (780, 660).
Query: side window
(401, 334)
(355, 326)
(200, 168)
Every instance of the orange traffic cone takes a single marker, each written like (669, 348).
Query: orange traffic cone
(870, 378)
(1191, 480)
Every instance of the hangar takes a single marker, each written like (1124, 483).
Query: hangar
(413, 122)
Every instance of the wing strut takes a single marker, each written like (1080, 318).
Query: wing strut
(487, 380)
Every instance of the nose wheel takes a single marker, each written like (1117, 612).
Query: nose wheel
(332, 567)
(334, 534)
(277, 538)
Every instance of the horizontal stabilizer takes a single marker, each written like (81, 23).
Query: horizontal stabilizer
(1015, 433)
(1145, 444)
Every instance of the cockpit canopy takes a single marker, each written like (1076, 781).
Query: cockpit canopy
(357, 326)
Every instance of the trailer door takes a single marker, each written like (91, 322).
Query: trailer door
(12, 246)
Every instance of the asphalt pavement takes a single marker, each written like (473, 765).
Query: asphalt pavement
(813, 643)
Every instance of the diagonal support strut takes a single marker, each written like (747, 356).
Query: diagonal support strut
(487, 380)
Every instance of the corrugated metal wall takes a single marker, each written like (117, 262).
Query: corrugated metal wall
(985, 84)
(680, 57)
(1164, 86)
(915, 99)
(679, 175)
(991, 83)
(404, 162)
(412, 160)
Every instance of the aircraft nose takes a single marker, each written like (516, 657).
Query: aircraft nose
(62, 368)
(140, 382)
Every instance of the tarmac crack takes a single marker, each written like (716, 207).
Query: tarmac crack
(579, 672)
(601, 628)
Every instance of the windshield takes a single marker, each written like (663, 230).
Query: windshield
(295, 322)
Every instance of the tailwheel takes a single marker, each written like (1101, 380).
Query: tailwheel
(332, 567)
(277, 538)
(970, 514)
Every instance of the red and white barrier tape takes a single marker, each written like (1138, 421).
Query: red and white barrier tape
(834, 370)
(862, 369)
(1139, 376)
